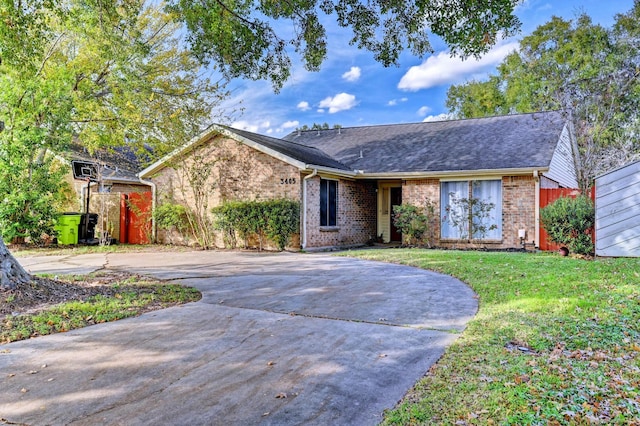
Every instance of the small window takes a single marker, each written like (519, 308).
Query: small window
(328, 202)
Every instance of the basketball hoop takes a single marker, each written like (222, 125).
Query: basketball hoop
(85, 170)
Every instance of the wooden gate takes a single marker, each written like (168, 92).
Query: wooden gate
(135, 218)
(548, 196)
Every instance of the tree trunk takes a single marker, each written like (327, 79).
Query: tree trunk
(11, 272)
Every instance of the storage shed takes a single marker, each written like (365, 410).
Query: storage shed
(618, 212)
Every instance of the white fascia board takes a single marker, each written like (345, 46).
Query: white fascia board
(331, 171)
(453, 173)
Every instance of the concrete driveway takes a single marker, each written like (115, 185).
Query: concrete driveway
(277, 339)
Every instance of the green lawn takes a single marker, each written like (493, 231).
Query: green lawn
(556, 341)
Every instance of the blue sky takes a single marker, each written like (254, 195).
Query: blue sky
(353, 90)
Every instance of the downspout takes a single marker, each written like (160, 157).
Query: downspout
(304, 206)
(536, 179)
(154, 233)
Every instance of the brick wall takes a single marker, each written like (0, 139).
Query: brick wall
(518, 208)
(417, 192)
(229, 170)
(356, 215)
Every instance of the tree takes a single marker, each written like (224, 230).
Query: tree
(317, 126)
(590, 72)
(106, 73)
(250, 38)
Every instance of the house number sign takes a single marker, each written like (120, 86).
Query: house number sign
(287, 181)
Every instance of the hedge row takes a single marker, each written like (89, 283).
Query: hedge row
(275, 220)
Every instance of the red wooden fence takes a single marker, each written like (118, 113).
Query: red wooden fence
(135, 218)
(548, 196)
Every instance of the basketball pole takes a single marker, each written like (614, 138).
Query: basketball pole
(86, 216)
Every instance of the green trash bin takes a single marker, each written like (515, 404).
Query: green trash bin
(67, 228)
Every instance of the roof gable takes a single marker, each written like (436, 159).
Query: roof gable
(301, 156)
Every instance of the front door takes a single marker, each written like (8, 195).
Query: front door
(396, 200)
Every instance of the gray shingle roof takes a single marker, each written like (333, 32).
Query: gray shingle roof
(304, 153)
(118, 164)
(506, 142)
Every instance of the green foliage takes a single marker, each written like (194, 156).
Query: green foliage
(317, 126)
(247, 39)
(276, 220)
(413, 221)
(32, 194)
(570, 222)
(104, 73)
(283, 220)
(470, 216)
(576, 66)
(173, 217)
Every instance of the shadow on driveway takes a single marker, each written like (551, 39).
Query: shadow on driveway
(282, 339)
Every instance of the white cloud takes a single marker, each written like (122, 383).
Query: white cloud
(439, 117)
(340, 102)
(394, 102)
(442, 69)
(352, 75)
(424, 111)
(250, 126)
(303, 106)
(290, 124)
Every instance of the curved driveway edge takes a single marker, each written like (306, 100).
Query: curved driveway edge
(282, 339)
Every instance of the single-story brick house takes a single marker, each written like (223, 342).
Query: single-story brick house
(347, 180)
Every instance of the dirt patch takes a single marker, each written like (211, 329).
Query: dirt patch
(42, 293)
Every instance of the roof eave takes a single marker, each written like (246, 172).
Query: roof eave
(454, 173)
(332, 170)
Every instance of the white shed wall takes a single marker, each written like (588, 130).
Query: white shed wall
(618, 212)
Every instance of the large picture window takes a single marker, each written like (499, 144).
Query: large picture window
(328, 202)
(478, 203)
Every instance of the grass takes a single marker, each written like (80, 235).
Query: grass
(555, 341)
(129, 299)
(72, 250)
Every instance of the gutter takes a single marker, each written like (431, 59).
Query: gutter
(304, 206)
(450, 174)
(536, 179)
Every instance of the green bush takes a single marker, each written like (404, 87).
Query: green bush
(570, 222)
(411, 221)
(276, 220)
(171, 216)
(283, 220)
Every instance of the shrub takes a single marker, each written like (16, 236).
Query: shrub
(277, 220)
(570, 222)
(411, 221)
(283, 220)
(172, 217)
